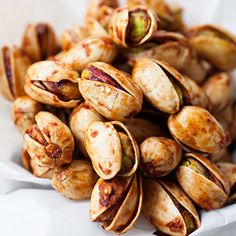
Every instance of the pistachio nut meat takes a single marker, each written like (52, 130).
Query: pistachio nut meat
(132, 27)
(197, 130)
(53, 83)
(75, 180)
(13, 66)
(49, 142)
(204, 183)
(117, 203)
(110, 91)
(112, 149)
(168, 208)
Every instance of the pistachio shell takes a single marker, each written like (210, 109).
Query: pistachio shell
(222, 156)
(95, 28)
(229, 170)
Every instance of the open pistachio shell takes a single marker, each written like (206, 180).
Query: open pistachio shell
(215, 45)
(110, 92)
(49, 142)
(229, 171)
(132, 27)
(203, 181)
(196, 129)
(112, 149)
(13, 67)
(161, 84)
(117, 203)
(168, 208)
(75, 180)
(53, 83)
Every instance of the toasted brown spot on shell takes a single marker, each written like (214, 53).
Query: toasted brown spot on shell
(53, 150)
(105, 171)
(175, 225)
(94, 133)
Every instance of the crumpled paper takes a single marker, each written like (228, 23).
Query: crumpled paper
(28, 204)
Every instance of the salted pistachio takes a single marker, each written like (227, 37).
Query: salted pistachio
(159, 156)
(80, 119)
(168, 208)
(53, 83)
(214, 44)
(112, 149)
(219, 89)
(75, 180)
(204, 183)
(91, 49)
(39, 41)
(13, 67)
(117, 203)
(49, 142)
(197, 130)
(132, 27)
(229, 171)
(161, 84)
(222, 156)
(111, 92)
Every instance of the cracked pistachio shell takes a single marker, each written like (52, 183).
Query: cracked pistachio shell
(13, 67)
(24, 109)
(75, 180)
(132, 27)
(112, 149)
(53, 83)
(204, 183)
(91, 49)
(49, 142)
(219, 89)
(80, 119)
(161, 84)
(159, 156)
(110, 91)
(168, 208)
(39, 41)
(196, 129)
(117, 203)
(215, 45)
(229, 171)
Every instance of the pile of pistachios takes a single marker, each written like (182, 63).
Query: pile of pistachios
(133, 110)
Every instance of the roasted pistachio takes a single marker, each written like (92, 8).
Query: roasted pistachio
(168, 208)
(204, 183)
(229, 171)
(222, 156)
(95, 28)
(49, 142)
(110, 92)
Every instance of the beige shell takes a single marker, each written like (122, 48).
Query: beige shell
(13, 67)
(80, 119)
(195, 128)
(24, 110)
(215, 45)
(75, 180)
(125, 206)
(229, 171)
(39, 41)
(159, 156)
(160, 209)
(49, 142)
(95, 28)
(154, 78)
(50, 71)
(202, 190)
(110, 92)
(103, 144)
(91, 49)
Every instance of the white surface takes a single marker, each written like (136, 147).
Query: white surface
(29, 207)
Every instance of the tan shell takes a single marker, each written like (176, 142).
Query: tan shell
(95, 28)
(229, 171)
(91, 49)
(75, 180)
(195, 128)
(215, 45)
(58, 144)
(222, 156)
(80, 119)
(153, 77)
(53, 71)
(161, 211)
(110, 101)
(103, 145)
(203, 191)
(13, 67)
(159, 156)
(24, 110)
